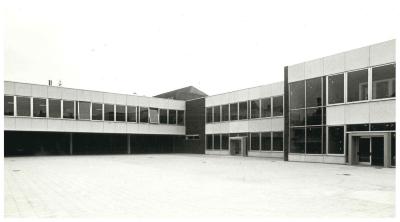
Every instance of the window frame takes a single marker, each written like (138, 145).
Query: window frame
(13, 105)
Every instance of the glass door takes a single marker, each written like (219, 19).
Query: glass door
(377, 147)
(364, 150)
(235, 146)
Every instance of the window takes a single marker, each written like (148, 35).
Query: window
(181, 117)
(314, 92)
(109, 112)
(277, 106)
(84, 110)
(384, 82)
(153, 115)
(54, 108)
(255, 109)
(358, 127)
(296, 93)
(9, 105)
(314, 140)
(314, 116)
(97, 111)
(193, 137)
(383, 126)
(234, 111)
(39, 107)
(120, 113)
(23, 106)
(297, 140)
(209, 139)
(393, 149)
(68, 109)
(131, 113)
(209, 115)
(243, 110)
(297, 117)
(266, 141)
(144, 114)
(278, 141)
(357, 85)
(217, 113)
(336, 140)
(217, 141)
(172, 116)
(225, 141)
(255, 141)
(225, 112)
(336, 89)
(266, 107)
(163, 116)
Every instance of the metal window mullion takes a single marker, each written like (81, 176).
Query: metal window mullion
(345, 76)
(14, 105)
(369, 84)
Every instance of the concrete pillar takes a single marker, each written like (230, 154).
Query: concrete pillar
(353, 145)
(70, 143)
(387, 150)
(129, 143)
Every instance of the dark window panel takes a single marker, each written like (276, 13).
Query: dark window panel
(314, 92)
(233, 111)
(97, 111)
(297, 140)
(68, 109)
(120, 113)
(163, 116)
(209, 115)
(314, 116)
(255, 109)
(266, 107)
(358, 127)
(9, 105)
(181, 117)
(225, 112)
(297, 117)
(54, 108)
(225, 141)
(324, 91)
(172, 116)
(39, 107)
(143, 114)
(357, 85)
(393, 149)
(108, 112)
(209, 139)
(336, 140)
(266, 141)
(217, 113)
(153, 115)
(132, 117)
(255, 141)
(277, 106)
(336, 89)
(384, 82)
(84, 110)
(243, 110)
(297, 94)
(217, 142)
(314, 140)
(277, 141)
(383, 126)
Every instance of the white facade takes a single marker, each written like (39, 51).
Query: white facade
(19, 123)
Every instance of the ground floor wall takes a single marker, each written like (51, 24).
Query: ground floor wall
(24, 143)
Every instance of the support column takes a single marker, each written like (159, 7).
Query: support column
(70, 144)
(286, 115)
(387, 150)
(129, 143)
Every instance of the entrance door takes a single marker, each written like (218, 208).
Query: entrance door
(236, 146)
(364, 150)
(377, 151)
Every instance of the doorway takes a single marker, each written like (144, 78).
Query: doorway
(237, 146)
(369, 149)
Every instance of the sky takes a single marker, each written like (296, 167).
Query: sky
(150, 47)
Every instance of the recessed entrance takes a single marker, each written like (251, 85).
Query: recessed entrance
(237, 146)
(370, 148)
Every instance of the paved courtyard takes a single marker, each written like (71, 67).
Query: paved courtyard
(192, 185)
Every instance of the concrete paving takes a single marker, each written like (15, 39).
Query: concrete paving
(193, 186)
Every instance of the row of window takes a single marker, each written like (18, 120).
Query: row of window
(311, 93)
(261, 141)
(67, 109)
(311, 140)
(253, 109)
(309, 116)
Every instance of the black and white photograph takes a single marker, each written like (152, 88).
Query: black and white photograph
(199, 110)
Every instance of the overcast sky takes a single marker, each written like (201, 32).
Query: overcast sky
(150, 47)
